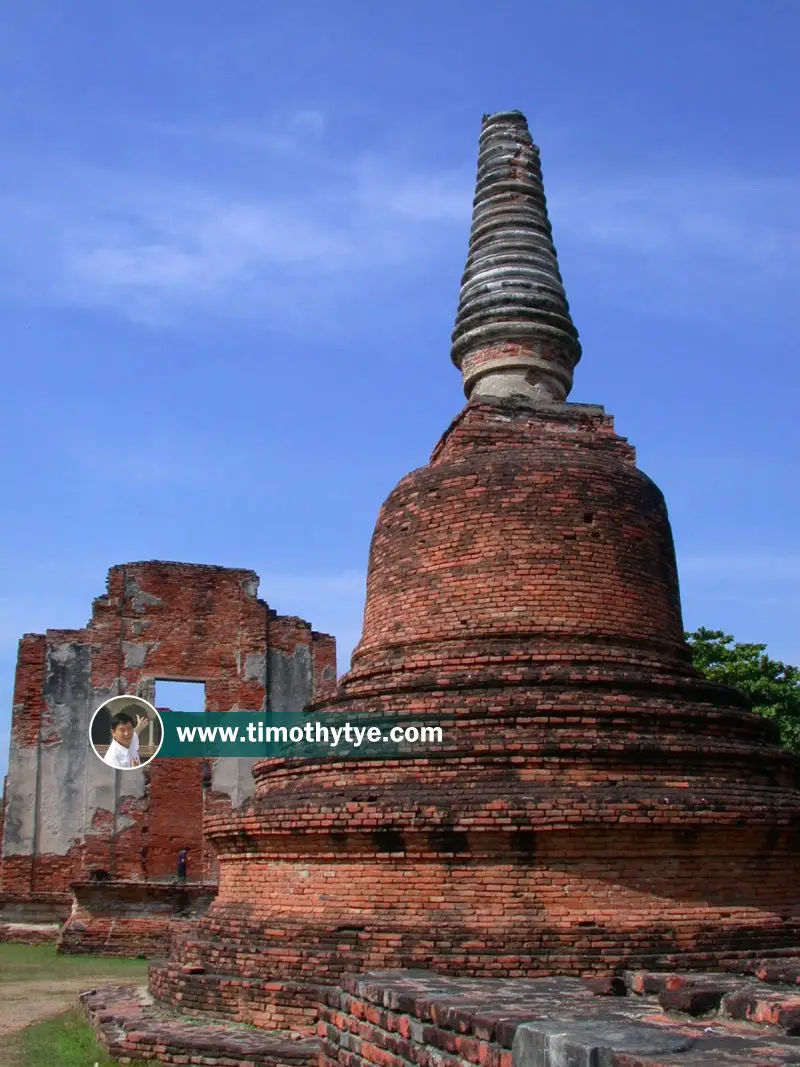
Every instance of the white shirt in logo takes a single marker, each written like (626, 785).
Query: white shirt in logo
(119, 756)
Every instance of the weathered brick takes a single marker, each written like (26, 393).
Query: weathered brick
(588, 809)
(156, 620)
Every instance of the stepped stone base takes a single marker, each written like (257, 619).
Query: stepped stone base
(132, 1027)
(745, 1016)
(643, 1019)
(269, 976)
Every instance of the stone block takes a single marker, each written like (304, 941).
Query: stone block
(573, 1043)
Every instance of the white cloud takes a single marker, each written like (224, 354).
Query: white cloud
(272, 233)
(741, 222)
(283, 224)
(437, 196)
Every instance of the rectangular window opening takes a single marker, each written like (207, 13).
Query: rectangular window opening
(180, 696)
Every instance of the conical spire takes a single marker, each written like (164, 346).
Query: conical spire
(513, 334)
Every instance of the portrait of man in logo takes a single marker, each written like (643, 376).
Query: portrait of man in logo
(126, 732)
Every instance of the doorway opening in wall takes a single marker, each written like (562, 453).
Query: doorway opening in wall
(180, 696)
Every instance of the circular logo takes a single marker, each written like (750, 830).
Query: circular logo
(126, 733)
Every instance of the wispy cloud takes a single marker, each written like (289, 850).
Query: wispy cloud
(187, 250)
(283, 233)
(416, 197)
(177, 250)
(279, 220)
(685, 239)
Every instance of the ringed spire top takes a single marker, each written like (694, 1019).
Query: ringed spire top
(513, 334)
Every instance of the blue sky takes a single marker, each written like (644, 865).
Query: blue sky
(232, 238)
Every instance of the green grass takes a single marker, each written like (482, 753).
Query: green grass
(27, 963)
(66, 1041)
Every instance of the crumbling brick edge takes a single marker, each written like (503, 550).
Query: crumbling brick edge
(404, 1018)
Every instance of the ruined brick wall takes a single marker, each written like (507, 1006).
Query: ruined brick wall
(66, 813)
(3, 809)
(33, 919)
(125, 918)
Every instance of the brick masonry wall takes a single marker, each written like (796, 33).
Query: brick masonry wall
(134, 1030)
(29, 933)
(572, 903)
(598, 804)
(175, 819)
(33, 919)
(131, 918)
(481, 542)
(66, 814)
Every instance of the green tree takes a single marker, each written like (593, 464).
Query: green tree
(774, 687)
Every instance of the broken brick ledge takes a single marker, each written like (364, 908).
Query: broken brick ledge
(403, 1018)
(21, 933)
(131, 1027)
(32, 907)
(119, 891)
(33, 918)
(129, 918)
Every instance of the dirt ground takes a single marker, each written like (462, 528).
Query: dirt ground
(36, 984)
(23, 1003)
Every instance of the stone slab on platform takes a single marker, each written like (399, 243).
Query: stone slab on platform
(132, 1027)
(393, 1019)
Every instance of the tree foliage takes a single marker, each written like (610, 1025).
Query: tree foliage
(774, 687)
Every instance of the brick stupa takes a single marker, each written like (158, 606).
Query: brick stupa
(605, 807)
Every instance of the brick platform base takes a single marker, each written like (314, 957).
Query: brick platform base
(131, 1027)
(35, 907)
(654, 1020)
(132, 918)
(275, 1004)
(33, 918)
(418, 1019)
(29, 933)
